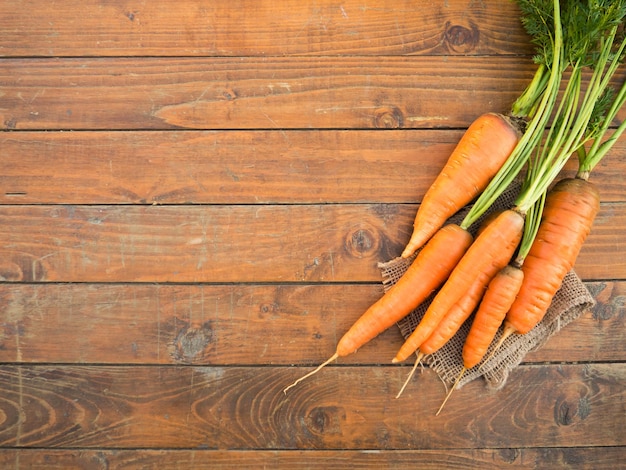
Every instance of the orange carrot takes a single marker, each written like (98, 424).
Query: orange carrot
(427, 272)
(455, 317)
(478, 156)
(457, 314)
(498, 298)
(493, 307)
(490, 252)
(569, 212)
(496, 302)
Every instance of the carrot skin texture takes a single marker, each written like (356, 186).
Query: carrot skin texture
(452, 321)
(480, 153)
(496, 302)
(428, 271)
(490, 252)
(570, 209)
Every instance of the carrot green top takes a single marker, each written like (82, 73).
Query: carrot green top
(589, 39)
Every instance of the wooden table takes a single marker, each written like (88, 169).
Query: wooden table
(194, 197)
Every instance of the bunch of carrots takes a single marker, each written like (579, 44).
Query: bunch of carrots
(507, 276)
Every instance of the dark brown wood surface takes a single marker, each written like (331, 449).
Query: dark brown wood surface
(194, 198)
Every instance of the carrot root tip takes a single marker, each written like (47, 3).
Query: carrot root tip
(316, 370)
(408, 379)
(506, 332)
(456, 382)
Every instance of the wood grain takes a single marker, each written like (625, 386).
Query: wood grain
(193, 203)
(239, 167)
(344, 407)
(580, 458)
(165, 324)
(263, 28)
(242, 243)
(256, 93)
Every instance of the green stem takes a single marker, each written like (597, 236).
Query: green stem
(588, 160)
(531, 227)
(531, 137)
(570, 139)
(561, 147)
(525, 105)
(555, 150)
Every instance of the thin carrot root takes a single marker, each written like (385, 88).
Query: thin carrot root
(315, 371)
(456, 382)
(420, 355)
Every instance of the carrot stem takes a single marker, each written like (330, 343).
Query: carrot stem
(533, 134)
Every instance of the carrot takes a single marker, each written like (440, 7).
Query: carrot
(455, 317)
(427, 272)
(557, 228)
(569, 212)
(480, 153)
(457, 314)
(490, 252)
(554, 238)
(496, 302)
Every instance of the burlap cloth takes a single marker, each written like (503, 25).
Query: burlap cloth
(572, 299)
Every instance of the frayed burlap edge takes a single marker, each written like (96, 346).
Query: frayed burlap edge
(572, 299)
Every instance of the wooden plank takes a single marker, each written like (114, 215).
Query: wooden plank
(253, 93)
(343, 408)
(239, 167)
(171, 324)
(594, 330)
(581, 458)
(261, 28)
(258, 93)
(148, 324)
(241, 243)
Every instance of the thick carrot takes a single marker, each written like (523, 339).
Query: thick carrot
(496, 302)
(429, 270)
(478, 156)
(455, 317)
(569, 212)
(490, 252)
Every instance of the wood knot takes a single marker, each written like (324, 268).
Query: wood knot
(461, 39)
(509, 455)
(10, 272)
(229, 94)
(10, 124)
(362, 243)
(389, 117)
(566, 412)
(609, 304)
(191, 343)
(325, 420)
(269, 310)
(21, 267)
